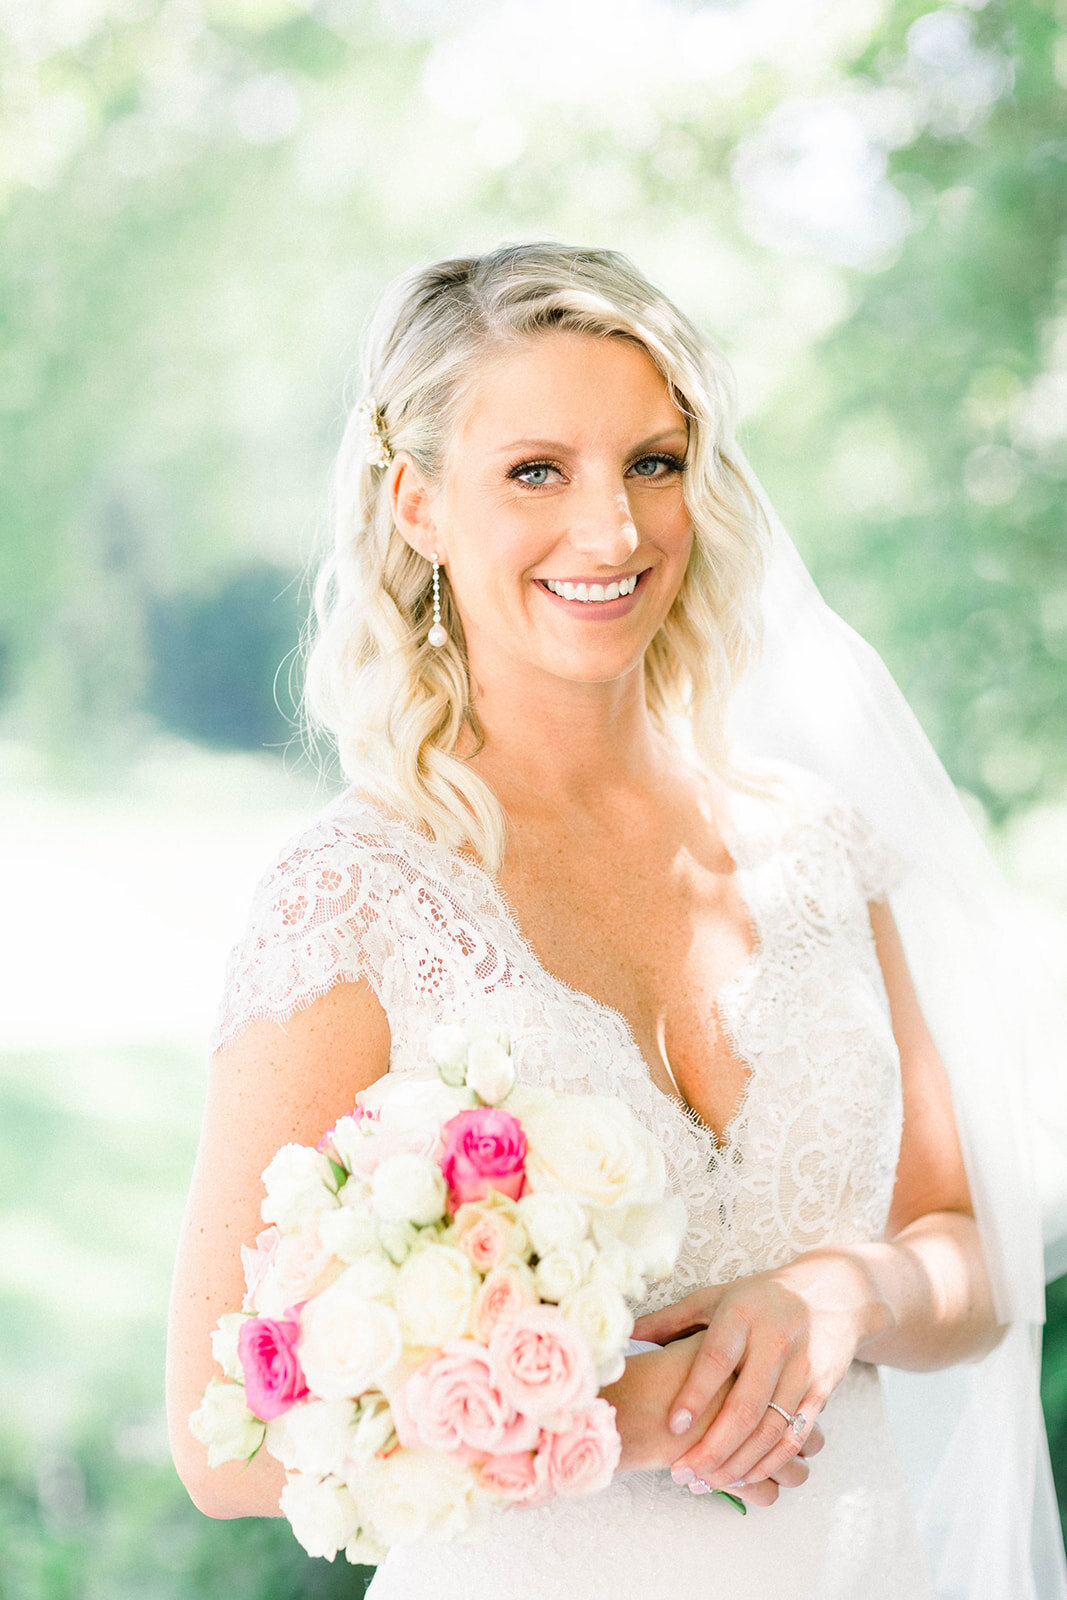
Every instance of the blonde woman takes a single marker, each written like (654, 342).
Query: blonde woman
(551, 574)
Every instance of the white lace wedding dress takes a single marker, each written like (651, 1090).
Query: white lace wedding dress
(809, 1158)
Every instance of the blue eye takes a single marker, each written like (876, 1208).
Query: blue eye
(522, 473)
(670, 462)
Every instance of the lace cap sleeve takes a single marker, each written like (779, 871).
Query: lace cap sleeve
(878, 865)
(312, 923)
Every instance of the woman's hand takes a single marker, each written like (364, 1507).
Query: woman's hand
(641, 1398)
(787, 1335)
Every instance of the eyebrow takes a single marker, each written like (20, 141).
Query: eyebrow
(555, 444)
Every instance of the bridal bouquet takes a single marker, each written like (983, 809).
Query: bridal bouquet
(440, 1294)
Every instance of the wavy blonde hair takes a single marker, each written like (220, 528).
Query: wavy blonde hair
(394, 704)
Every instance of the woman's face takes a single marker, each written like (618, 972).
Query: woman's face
(559, 516)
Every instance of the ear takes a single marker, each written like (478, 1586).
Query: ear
(413, 503)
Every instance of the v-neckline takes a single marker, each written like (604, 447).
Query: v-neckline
(727, 992)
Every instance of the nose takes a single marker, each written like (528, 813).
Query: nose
(602, 526)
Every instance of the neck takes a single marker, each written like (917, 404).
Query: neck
(559, 745)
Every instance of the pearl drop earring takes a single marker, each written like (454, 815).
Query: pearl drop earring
(437, 635)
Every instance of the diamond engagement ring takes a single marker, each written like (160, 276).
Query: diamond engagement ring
(798, 1421)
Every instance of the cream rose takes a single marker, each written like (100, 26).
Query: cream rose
(653, 1233)
(224, 1423)
(224, 1342)
(324, 1516)
(315, 1436)
(599, 1311)
(560, 1272)
(553, 1221)
(420, 1495)
(397, 1239)
(408, 1188)
(446, 1046)
(490, 1072)
(434, 1292)
(348, 1232)
(302, 1266)
(592, 1147)
(348, 1341)
(488, 1230)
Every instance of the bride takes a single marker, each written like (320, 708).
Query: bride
(553, 579)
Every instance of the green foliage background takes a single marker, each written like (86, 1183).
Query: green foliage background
(198, 203)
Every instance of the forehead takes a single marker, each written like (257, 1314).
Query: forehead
(563, 384)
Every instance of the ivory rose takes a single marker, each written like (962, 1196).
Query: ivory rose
(302, 1265)
(434, 1291)
(299, 1182)
(324, 1516)
(274, 1380)
(483, 1149)
(490, 1072)
(592, 1147)
(580, 1459)
(553, 1221)
(349, 1341)
(541, 1363)
(420, 1495)
(604, 1320)
(315, 1437)
(407, 1187)
(224, 1423)
(224, 1342)
(451, 1403)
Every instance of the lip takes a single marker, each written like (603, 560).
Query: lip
(606, 609)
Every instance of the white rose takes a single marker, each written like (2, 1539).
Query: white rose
(373, 1275)
(302, 1266)
(603, 1316)
(314, 1437)
(553, 1221)
(397, 1239)
(654, 1233)
(560, 1272)
(299, 1183)
(435, 1289)
(224, 1423)
(490, 1072)
(348, 1341)
(348, 1232)
(616, 1265)
(420, 1495)
(366, 1549)
(408, 1188)
(348, 1137)
(446, 1046)
(324, 1516)
(594, 1148)
(373, 1431)
(224, 1342)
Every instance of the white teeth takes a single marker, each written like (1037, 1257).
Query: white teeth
(594, 593)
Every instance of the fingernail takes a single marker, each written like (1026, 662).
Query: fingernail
(682, 1474)
(739, 1484)
(682, 1421)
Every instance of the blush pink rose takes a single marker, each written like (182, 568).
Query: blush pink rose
(450, 1403)
(509, 1289)
(582, 1458)
(512, 1478)
(274, 1379)
(483, 1235)
(484, 1149)
(541, 1363)
(256, 1260)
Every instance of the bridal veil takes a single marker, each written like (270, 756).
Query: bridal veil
(972, 1437)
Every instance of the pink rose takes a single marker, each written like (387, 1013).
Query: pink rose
(256, 1260)
(484, 1235)
(508, 1289)
(451, 1403)
(273, 1377)
(541, 1363)
(582, 1459)
(511, 1477)
(484, 1149)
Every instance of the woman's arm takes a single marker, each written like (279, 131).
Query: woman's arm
(920, 1299)
(270, 1086)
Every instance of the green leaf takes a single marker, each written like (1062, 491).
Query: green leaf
(733, 1499)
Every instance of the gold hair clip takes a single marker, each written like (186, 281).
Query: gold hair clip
(379, 450)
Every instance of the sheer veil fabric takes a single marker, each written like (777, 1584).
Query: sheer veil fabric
(972, 1437)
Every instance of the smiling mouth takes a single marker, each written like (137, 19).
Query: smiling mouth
(593, 593)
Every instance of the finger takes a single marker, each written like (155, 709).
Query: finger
(791, 1474)
(764, 1493)
(743, 1415)
(677, 1321)
(786, 1447)
(722, 1348)
(814, 1441)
